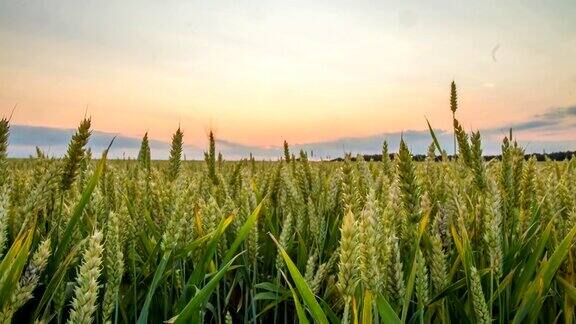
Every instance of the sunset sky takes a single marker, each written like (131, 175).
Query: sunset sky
(259, 72)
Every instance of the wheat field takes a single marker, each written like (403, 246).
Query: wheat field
(452, 239)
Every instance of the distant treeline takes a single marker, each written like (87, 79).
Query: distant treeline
(556, 156)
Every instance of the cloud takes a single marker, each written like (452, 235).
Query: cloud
(233, 150)
(417, 140)
(53, 141)
(559, 113)
(552, 119)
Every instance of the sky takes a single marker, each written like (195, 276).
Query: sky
(330, 76)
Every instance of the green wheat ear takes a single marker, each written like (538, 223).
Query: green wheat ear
(453, 107)
(144, 153)
(210, 158)
(86, 292)
(387, 165)
(453, 98)
(422, 293)
(464, 150)
(4, 133)
(74, 155)
(409, 187)
(4, 205)
(478, 300)
(285, 238)
(286, 152)
(114, 265)
(369, 239)
(437, 261)
(347, 267)
(175, 155)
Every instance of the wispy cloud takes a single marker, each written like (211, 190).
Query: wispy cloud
(559, 118)
(559, 113)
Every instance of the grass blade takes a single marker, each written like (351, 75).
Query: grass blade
(303, 289)
(13, 264)
(299, 310)
(143, 317)
(201, 296)
(387, 313)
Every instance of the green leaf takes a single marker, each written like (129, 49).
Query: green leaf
(307, 295)
(183, 252)
(434, 138)
(454, 287)
(13, 264)
(568, 288)
(299, 310)
(267, 295)
(532, 301)
(143, 318)
(367, 307)
(503, 285)
(387, 313)
(200, 269)
(193, 306)
(271, 287)
(530, 266)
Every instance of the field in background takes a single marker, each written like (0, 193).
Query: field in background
(446, 240)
